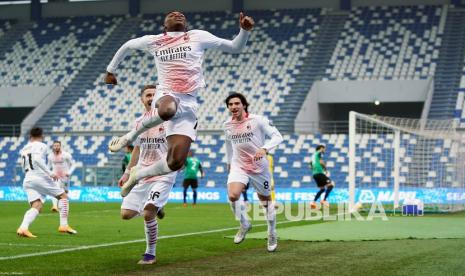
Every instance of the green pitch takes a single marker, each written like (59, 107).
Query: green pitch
(391, 229)
(191, 241)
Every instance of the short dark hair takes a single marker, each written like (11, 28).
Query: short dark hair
(241, 97)
(320, 147)
(56, 141)
(131, 147)
(36, 132)
(148, 86)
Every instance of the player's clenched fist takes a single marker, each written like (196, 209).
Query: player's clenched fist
(110, 79)
(246, 22)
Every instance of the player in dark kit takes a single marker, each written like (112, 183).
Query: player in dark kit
(319, 171)
(191, 169)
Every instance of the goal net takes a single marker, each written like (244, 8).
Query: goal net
(399, 160)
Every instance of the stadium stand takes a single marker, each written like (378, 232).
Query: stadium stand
(460, 106)
(54, 50)
(291, 159)
(448, 72)
(388, 43)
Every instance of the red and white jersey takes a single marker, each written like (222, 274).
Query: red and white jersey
(243, 140)
(61, 164)
(33, 161)
(179, 56)
(153, 147)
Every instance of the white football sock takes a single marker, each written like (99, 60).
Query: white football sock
(29, 217)
(270, 213)
(55, 202)
(151, 235)
(150, 122)
(238, 208)
(158, 168)
(63, 206)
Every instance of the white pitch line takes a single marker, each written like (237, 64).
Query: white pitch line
(33, 244)
(85, 247)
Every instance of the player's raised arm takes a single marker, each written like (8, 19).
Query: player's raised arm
(236, 45)
(140, 43)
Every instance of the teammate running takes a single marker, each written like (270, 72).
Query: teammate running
(38, 183)
(151, 194)
(62, 165)
(191, 169)
(178, 57)
(246, 149)
(324, 183)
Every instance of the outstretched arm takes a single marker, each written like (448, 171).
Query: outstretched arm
(140, 43)
(236, 45)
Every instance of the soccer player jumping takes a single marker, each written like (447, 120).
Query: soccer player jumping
(178, 55)
(246, 150)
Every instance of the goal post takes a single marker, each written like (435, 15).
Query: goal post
(392, 160)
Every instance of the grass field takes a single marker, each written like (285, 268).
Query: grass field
(192, 242)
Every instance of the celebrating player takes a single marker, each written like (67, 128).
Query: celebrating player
(62, 165)
(324, 183)
(152, 193)
(246, 149)
(191, 169)
(178, 57)
(38, 183)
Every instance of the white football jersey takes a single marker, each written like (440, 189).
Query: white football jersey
(33, 160)
(153, 147)
(179, 56)
(243, 140)
(62, 164)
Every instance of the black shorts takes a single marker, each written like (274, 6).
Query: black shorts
(190, 182)
(321, 179)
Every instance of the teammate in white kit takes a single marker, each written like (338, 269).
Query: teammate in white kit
(151, 193)
(62, 165)
(178, 57)
(38, 183)
(246, 148)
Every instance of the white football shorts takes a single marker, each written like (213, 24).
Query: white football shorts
(261, 181)
(185, 120)
(39, 188)
(156, 193)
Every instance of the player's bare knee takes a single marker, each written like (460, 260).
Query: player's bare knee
(234, 197)
(167, 110)
(175, 163)
(150, 212)
(62, 196)
(126, 215)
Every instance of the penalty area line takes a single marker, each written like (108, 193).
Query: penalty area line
(86, 247)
